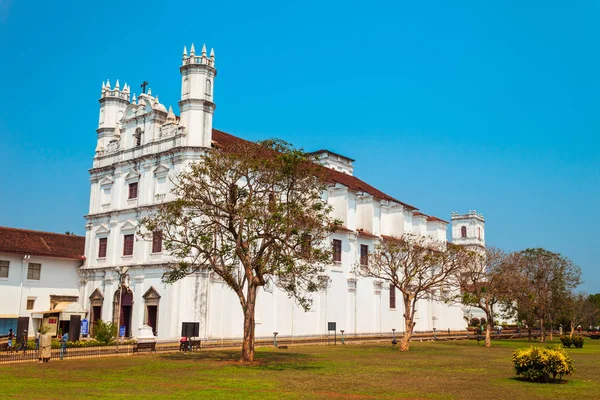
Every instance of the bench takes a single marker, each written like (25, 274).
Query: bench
(195, 344)
(145, 345)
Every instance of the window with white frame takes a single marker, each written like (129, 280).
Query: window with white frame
(34, 271)
(4, 266)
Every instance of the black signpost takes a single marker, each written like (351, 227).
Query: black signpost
(331, 327)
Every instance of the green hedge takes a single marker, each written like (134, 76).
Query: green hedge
(538, 364)
(576, 341)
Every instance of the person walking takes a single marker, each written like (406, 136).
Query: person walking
(23, 342)
(63, 345)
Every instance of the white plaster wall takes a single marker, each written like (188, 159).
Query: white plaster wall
(58, 277)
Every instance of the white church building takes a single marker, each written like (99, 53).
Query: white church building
(142, 146)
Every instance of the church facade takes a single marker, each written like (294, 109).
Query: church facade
(142, 147)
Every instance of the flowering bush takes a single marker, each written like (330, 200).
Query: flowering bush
(566, 341)
(538, 364)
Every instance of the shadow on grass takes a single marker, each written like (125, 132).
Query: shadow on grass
(521, 379)
(273, 361)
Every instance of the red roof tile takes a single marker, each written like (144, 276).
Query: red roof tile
(366, 234)
(36, 243)
(222, 139)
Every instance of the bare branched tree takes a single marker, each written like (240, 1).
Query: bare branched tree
(252, 214)
(484, 284)
(419, 267)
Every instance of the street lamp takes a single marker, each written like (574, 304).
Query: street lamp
(122, 272)
(275, 338)
(394, 341)
(342, 336)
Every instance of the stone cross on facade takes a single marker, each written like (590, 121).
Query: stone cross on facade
(143, 85)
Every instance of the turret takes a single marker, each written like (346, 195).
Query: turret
(113, 103)
(197, 106)
(468, 229)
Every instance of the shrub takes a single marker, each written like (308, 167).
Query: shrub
(474, 321)
(104, 332)
(538, 364)
(577, 341)
(566, 341)
(483, 321)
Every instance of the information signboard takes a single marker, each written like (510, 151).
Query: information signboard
(84, 327)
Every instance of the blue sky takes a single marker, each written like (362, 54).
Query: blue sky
(448, 106)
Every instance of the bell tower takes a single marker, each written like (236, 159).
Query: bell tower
(113, 103)
(197, 104)
(468, 229)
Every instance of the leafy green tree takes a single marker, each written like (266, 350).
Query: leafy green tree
(104, 332)
(254, 215)
(539, 277)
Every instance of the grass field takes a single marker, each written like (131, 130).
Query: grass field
(440, 370)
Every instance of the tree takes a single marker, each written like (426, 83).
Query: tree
(483, 284)
(419, 267)
(540, 277)
(578, 309)
(252, 214)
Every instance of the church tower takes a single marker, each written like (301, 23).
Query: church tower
(468, 229)
(197, 106)
(113, 103)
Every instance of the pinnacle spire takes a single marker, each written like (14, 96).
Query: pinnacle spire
(103, 85)
(107, 84)
(212, 53)
(171, 115)
(134, 98)
(204, 49)
(117, 87)
(185, 51)
(192, 51)
(149, 92)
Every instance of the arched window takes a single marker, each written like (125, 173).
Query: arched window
(208, 87)
(138, 137)
(479, 233)
(463, 232)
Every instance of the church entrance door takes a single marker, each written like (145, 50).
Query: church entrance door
(126, 311)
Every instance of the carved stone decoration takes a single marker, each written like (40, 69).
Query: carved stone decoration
(113, 146)
(168, 130)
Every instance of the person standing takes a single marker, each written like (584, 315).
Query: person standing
(11, 337)
(37, 340)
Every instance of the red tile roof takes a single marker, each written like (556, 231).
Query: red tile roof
(36, 243)
(364, 233)
(223, 140)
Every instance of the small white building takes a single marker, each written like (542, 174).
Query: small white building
(141, 147)
(39, 280)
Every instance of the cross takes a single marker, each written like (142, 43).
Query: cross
(143, 85)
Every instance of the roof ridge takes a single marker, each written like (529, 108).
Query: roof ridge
(44, 232)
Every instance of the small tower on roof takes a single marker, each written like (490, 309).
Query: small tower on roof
(468, 229)
(197, 105)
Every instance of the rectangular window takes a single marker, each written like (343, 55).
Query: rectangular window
(4, 268)
(34, 271)
(128, 245)
(102, 243)
(337, 250)
(30, 304)
(364, 254)
(133, 190)
(157, 241)
(392, 297)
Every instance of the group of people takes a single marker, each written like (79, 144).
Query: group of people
(43, 344)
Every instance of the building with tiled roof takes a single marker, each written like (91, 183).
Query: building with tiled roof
(142, 146)
(39, 275)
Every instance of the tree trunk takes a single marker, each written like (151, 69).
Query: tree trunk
(408, 323)
(542, 331)
(572, 329)
(249, 324)
(529, 332)
(488, 335)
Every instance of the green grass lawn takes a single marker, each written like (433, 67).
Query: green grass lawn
(440, 370)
